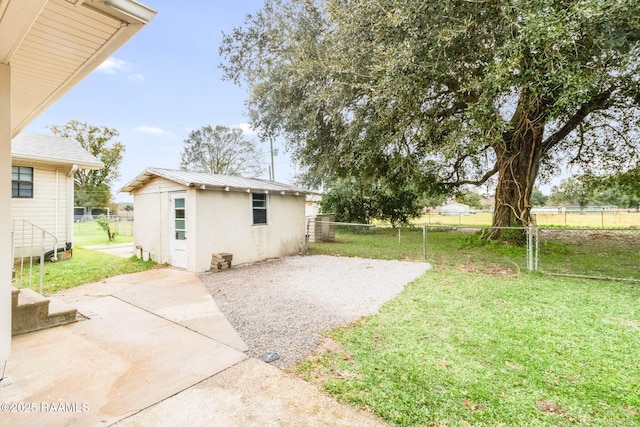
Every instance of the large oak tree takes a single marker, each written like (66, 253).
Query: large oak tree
(93, 187)
(445, 93)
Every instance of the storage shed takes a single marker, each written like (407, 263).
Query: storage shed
(183, 218)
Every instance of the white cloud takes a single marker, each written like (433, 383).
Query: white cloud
(113, 65)
(246, 129)
(152, 130)
(136, 77)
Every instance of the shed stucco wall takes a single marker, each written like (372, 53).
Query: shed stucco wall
(151, 218)
(217, 221)
(224, 224)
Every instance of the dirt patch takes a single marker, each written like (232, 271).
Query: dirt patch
(327, 346)
(494, 270)
(499, 271)
(550, 407)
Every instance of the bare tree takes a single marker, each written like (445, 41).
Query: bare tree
(221, 150)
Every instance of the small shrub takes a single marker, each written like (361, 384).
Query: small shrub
(105, 224)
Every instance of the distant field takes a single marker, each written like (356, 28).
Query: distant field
(574, 219)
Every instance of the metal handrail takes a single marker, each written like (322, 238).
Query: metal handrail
(43, 236)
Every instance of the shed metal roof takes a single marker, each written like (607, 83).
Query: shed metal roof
(206, 181)
(52, 149)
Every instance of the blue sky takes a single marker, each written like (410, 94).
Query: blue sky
(162, 84)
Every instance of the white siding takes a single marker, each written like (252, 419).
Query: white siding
(41, 211)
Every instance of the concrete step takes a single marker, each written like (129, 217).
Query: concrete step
(32, 312)
(14, 296)
(60, 313)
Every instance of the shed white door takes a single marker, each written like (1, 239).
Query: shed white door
(178, 227)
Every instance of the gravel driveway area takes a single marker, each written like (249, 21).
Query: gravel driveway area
(281, 305)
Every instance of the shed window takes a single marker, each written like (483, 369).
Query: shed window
(259, 207)
(21, 182)
(180, 219)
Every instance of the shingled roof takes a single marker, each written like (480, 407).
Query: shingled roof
(207, 181)
(52, 149)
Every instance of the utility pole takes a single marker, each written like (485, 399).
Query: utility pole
(272, 174)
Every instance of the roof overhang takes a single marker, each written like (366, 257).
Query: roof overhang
(51, 45)
(138, 182)
(44, 160)
(251, 185)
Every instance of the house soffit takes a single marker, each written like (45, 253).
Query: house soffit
(53, 44)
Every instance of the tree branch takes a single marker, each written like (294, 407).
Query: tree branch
(480, 181)
(598, 102)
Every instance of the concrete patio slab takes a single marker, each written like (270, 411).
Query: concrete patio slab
(151, 352)
(117, 363)
(123, 250)
(251, 394)
(173, 294)
(147, 337)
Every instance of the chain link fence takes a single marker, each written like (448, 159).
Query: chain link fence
(439, 245)
(610, 254)
(468, 248)
(599, 253)
(123, 226)
(366, 240)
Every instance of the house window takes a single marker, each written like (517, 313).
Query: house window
(259, 207)
(21, 182)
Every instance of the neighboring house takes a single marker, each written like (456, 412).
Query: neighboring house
(312, 206)
(574, 207)
(454, 209)
(545, 210)
(42, 174)
(183, 218)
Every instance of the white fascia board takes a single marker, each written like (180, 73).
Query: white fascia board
(129, 11)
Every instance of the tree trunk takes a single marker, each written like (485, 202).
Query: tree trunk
(518, 160)
(513, 193)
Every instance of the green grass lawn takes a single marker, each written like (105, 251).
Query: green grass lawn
(380, 243)
(479, 341)
(601, 257)
(86, 266)
(471, 349)
(88, 233)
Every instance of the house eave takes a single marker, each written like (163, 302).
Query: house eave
(233, 189)
(22, 25)
(52, 161)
